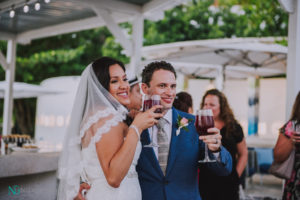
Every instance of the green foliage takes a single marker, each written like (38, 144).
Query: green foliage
(112, 49)
(201, 20)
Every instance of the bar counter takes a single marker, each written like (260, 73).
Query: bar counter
(25, 175)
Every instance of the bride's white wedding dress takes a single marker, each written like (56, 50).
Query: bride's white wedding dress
(129, 188)
(94, 112)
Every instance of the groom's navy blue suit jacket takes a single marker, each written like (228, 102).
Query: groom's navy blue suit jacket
(180, 181)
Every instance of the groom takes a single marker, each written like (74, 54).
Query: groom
(169, 172)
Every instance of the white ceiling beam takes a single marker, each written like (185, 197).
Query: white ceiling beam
(137, 42)
(155, 9)
(3, 62)
(7, 36)
(113, 5)
(115, 29)
(64, 28)
(288, 5)
(155, 6)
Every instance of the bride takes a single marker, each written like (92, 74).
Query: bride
(99, 147)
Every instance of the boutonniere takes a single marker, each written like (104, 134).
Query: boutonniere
(182, 122)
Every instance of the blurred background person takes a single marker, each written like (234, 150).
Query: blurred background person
(184, 102)
(287, 140)
(211, 186)
(135, 95)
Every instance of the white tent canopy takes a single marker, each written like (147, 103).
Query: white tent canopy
(25, 90)
(233, 57)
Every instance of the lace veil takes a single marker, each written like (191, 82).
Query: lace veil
(94, 112)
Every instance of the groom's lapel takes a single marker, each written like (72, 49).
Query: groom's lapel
(174, 140)
(148, 151)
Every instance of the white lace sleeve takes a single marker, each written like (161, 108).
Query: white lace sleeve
(107, 118)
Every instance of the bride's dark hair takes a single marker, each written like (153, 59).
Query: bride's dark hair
(101, 69)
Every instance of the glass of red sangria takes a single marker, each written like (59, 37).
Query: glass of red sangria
(150, 101)
(204, 121)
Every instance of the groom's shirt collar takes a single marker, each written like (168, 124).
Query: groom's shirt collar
(168, 116)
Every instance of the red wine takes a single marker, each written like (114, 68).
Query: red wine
(203, 123)
(147, 104)
(154, 103)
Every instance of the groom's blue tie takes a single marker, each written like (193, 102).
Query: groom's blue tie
(163, 142)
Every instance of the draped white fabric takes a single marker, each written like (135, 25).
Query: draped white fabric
(94, 112)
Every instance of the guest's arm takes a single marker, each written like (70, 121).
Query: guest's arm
(242, 158)
(282, 148)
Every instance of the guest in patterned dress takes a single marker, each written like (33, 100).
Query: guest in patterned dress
(287, 140)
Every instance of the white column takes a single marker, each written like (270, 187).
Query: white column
(180, 82)
(9, 79)
(293, 60)
(137, 40)
(253, 105)
(219, 81)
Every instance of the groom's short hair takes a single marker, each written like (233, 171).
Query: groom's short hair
(154, 66)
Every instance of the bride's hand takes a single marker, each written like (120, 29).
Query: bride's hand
(144, 120)
(83, 186)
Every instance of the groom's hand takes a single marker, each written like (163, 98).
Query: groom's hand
(213, 141)
(83, 186)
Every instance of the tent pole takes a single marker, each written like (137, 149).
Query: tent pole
(9, 79)
(253, 105)
(293, 60)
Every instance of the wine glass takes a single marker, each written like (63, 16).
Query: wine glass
(150, 101)
(204, 121)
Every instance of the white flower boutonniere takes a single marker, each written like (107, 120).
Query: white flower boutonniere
(182, 122)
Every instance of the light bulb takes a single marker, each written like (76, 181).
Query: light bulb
(11, 13)
(37, 6)
(47, 1)
(26, 8)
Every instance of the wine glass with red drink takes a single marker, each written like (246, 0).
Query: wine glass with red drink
(204, 121)
(150, 101)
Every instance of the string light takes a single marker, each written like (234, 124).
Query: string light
(12, 12)
(26, 8)
(37, 6)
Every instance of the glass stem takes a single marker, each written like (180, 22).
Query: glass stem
(151, 142)
(206, 153)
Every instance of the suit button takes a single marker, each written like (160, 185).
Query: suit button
(166, 182)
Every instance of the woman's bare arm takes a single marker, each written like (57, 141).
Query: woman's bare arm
(282, 148)
(242, 157)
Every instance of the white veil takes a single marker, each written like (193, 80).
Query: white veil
(93, 103)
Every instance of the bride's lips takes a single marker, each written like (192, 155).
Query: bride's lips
(123, 94)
